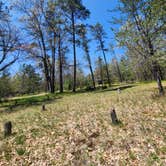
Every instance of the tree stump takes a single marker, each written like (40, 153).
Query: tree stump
(43, 107)
(7, 128)
(114, 117)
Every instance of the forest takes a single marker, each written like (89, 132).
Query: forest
(79, 91)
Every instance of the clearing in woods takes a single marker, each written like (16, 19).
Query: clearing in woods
(76, 129)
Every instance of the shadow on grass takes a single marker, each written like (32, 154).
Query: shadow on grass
(123, 87)
(100, 90)
(12, 105)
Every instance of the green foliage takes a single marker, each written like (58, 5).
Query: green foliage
(5, 85)
(20, 139)
(126, 70)
(20, 151)
(99, 35)
(76, 7)
(162, 150)
(132, 155)
(27, 81)
(141, 33)
(153, 157)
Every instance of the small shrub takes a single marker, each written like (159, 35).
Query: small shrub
(19, 140)
(152, 158)
(104, 87)
(20, 151)
(35, 132)
(132, 155)
(89, 88)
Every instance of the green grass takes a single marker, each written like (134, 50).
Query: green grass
(27, 100)
(76, 129)
(11, 104)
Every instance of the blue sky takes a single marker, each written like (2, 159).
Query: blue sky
(99, 13)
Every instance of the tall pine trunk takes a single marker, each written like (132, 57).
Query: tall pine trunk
(74, 53)
(52, 70)
(91, 70)
(60, 65)
(92, 76)
(107, 71)
(101, 71)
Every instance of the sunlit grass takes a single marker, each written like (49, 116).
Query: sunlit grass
(76, 129)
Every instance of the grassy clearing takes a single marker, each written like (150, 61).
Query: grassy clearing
(76, 129)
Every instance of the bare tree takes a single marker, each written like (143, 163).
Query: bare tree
(9, 40)
(74, 9)
(39, 21)
(99, 35)
(84, 43)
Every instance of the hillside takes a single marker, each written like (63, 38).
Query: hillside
(76, 129)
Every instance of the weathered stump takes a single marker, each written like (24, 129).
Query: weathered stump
(114, 117)
(43, 107)
(7, 128)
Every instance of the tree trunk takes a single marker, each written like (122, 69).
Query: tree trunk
(119, 72)
(108, 77)
(155, 68)
(147, 40)
(101, 71)
(60, 65)
(93, 78)
(52, 84)
(74, 52)
(91, 70)
(47, 77)
(160, 87)
(157, 77)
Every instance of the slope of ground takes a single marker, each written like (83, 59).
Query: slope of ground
(76, 130)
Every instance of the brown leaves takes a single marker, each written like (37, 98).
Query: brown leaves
(77, 130)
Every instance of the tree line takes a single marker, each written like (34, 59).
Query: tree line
(53, 32)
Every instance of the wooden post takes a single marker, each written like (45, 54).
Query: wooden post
(118, 91)
(43, 107)
(7, 128)
(114, 117)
